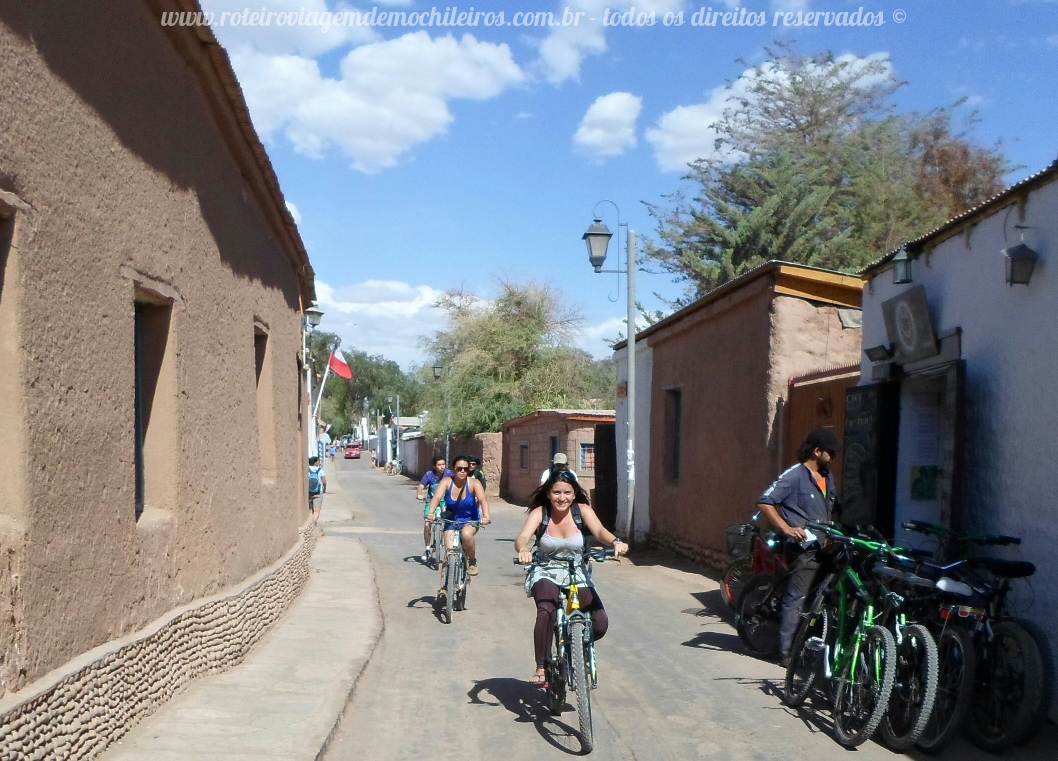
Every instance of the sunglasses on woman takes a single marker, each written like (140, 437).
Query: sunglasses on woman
(461, 468)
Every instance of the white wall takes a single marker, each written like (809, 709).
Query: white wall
(1010, 344)
(644, 375)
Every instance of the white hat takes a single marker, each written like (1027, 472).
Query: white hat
(560, 459)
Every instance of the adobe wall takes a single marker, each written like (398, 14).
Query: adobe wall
(520, 483)
(107, 137)
(720, 361)
(733, 361)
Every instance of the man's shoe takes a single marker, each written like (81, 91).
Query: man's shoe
(473, 568)
(425, 555)
(785, 662)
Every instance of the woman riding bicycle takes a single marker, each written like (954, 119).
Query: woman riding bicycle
(464, 500)
(427, 486)
(559, 514)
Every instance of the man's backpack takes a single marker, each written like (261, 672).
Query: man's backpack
(315, 479)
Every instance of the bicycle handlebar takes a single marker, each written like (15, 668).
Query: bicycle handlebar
(932, 529)
(600, 554)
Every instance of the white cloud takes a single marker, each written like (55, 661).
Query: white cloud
(687, 133)
(1053, 40)
(391, 96)
(598, 339)
(294, 212)
(563, 50)
(384, 317)
(608, 128)
(309, 39)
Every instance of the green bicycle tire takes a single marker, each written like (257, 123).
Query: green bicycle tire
(957, 664)
(856, 683)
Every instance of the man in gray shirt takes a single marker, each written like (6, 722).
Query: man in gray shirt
(804, 493)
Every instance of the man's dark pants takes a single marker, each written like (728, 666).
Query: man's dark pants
(803, 570)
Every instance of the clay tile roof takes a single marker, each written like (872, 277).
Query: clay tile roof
(916, 245)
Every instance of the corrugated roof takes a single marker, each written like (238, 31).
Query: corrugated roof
(916, 245)
(801, 271)
(572, 414)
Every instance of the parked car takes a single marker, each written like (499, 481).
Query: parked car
(352, 452)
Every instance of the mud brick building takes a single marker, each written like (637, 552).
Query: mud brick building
(151, 439)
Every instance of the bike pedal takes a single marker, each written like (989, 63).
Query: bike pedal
(815, 644)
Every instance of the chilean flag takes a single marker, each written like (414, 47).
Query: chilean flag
(339, 365)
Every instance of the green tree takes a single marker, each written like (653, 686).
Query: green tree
(815, 167)
(374, 380)
(508, 357)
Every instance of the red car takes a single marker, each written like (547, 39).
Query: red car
(352, 453)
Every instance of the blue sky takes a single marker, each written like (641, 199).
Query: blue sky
(425, 159)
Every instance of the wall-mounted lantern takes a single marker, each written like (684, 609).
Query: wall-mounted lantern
(880, 353)
(1020, 261)
(901, 267)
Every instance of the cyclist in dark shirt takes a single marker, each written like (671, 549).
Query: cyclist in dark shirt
(427, 487)
(803, 493)
(476, 471)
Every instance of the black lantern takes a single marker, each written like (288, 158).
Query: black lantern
(880, 353)
(598, 240)
(1020, 261)
(437, 370)
(901, 267)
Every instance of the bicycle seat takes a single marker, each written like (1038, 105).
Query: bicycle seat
(1005, 569)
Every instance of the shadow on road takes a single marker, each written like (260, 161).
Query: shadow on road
(526, 702)
(714, 640)
(427, 601)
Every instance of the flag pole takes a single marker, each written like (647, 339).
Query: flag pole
(323, 383)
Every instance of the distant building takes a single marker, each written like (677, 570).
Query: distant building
(531, 441)
(152, 440)
(959, 386)
(712, 381)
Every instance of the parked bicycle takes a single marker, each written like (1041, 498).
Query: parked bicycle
(394, 467)
(454, 576)
(751, 553)
(841, 640)
(571, 664)
(994, 669)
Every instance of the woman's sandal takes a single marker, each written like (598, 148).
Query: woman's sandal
(539, 679)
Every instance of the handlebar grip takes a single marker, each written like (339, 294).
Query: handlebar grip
(516, 561)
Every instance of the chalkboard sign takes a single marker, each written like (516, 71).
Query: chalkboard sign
(868, 462)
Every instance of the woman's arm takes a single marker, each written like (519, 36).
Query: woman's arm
(442, 489)
(483, 501)
(521, 542)
(600, 532)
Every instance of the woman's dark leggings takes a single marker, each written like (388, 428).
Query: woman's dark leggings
(547, 595)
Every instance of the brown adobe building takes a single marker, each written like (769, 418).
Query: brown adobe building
(151, 283)
(531, 441)
(712, 383)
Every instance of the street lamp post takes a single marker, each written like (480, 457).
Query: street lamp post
(310, 320)
(437, 371)
(597, 239)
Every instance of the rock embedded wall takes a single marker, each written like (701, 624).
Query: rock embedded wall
(78, 715)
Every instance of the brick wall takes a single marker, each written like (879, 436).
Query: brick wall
(519, 483)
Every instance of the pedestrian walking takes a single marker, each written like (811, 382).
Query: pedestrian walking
(317, 487)
(558, 463)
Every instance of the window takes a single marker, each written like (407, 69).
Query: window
(673, 432)
(587, 456)
(266, 440)
(155, 402)
(554, 448)
(523, 456)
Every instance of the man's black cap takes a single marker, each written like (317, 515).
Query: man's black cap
(824, 438)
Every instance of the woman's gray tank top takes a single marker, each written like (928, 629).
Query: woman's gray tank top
(553, 545)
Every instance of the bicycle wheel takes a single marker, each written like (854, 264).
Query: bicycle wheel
(556, 677)
(956, 664)
(864, 687)
(581, 684)
(806, 657)
(734, 581)
(1011, 685)
(914, 691)
(759, 613)
(437, 543)
(462, 583)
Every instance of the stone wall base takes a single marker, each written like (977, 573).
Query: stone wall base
(715, 559)
(76, 711)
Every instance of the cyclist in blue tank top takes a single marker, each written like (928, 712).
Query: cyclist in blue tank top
(464, 500)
